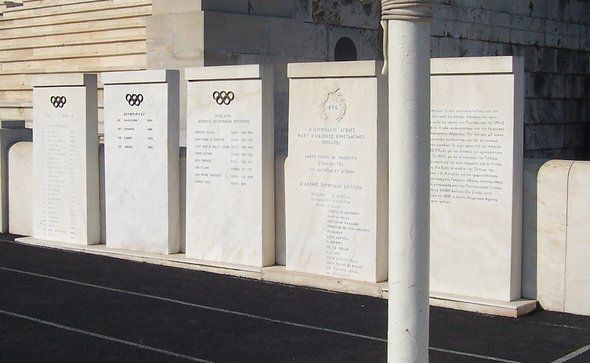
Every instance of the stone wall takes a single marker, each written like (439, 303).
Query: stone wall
(286, 31)
(553, 36)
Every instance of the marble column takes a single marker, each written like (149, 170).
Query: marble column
(407, 28)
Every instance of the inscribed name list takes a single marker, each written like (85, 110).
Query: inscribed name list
(65, 159)
(225, 206)
(331, 178)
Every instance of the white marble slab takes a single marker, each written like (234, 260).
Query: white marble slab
(336, 171)
(141, 161)
(11, 132)
(20, 184)
(476, 179)
(280, 231)
(577, 275)
(230, 166)
(531, 169)
(65, 161)
(551, 232)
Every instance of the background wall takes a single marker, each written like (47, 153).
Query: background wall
(49, 36)
(554, 38)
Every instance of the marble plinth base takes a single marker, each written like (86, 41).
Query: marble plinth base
(178, 260)
(280, 274)
(512, 309)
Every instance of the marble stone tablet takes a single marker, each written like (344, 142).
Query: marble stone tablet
(65, 159)
(476, 177)
(336, 170)
(20, 184)
(230, 165)
(11, 132)
(141, 160)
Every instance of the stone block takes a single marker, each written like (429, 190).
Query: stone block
(476, 177)
(142, 160)
(226, 6)
(247, 33)
(280, 230)
(11, 132)
(65, 159)
(230, 165)
(283, 9)
(182, 199)
(575, 135)
(577, 259)
(20, 184)
(336, 171)
(529, 231)
(552, 201)
(544, 137)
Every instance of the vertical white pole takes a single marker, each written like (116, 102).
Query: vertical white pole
(409, 189)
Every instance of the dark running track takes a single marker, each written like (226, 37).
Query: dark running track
(58, 306)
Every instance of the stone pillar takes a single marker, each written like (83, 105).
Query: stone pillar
(407, 30)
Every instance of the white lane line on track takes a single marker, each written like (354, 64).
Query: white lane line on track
(238, 313)
(204, 307)
(104, 337)
(494, 359)
(573, 354)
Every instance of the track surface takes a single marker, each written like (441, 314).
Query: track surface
(58, 306)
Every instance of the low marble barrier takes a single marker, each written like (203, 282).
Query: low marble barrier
(20, 184)
(556, 239)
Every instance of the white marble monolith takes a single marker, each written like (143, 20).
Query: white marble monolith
(11, 132)
(230, 165)
(476, 177)
(65, 159)
(336, 170)
(142, 160)
(20, 184)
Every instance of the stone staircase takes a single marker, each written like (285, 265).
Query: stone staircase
(64, 36)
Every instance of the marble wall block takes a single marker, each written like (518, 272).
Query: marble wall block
(577, 276)
(20, 184)
(280, 232)
(531, 169)
(476, 177)
(142, 160)
(336, 170)
(230, 165)
(551, 232)
(65, 159)
(11, 132)
(182, 199)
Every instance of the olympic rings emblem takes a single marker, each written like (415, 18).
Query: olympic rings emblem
(134, 99)
(223, 97)
(58, 101)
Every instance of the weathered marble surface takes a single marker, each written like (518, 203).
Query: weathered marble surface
(531, 170)
(280, 231)
(336, 171)
(20, 184)
(65, 159)
(577, 261)
(230, 166)
(141, 161)
(476, 177)
(551, 232)
(11, 132)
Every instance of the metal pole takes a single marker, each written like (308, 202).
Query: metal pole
(408, 54)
